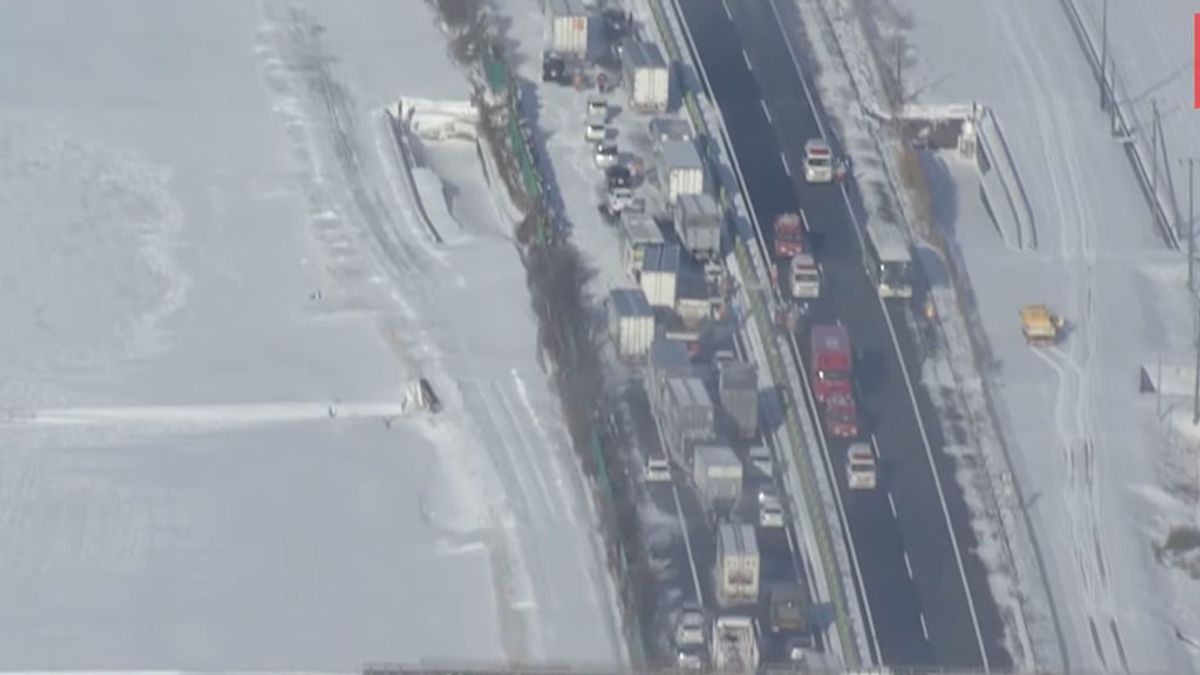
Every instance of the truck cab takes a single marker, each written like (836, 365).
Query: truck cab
(860, 467)
(789, 610)
(818, 161)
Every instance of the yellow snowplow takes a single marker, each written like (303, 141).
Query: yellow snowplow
(1040, 327)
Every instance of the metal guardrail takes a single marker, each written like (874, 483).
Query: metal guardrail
(777, 367)
(1157, 208)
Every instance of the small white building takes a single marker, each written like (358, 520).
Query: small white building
(631, 320)
(568, 24)
(647, 77)
(638, 230)
(680, 170)
(660, 270)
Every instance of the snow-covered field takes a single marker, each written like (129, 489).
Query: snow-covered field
(215, 292)
(1099, 470)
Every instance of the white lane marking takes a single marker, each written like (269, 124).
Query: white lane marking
(746, 57)
(892, 503)
(907, 565)
(786, 167)
(924, 628)
(875, 444)
(766, 110)
(727, 12)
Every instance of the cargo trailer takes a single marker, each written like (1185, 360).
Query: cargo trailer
(699, 223)
(680, 170)
(631, 321)
(647, 77)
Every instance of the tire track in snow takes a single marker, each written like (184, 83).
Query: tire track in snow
(529, 456)
(567, 494)
(1078, 248)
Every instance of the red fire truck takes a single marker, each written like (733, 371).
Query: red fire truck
(831, 361)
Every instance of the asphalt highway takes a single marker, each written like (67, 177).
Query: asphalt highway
(918, 604)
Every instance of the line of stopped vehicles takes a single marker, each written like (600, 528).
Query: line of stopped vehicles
(707, 416)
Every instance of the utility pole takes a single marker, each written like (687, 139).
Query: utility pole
(1191, 231)
(1196, 379)
(1104, 59)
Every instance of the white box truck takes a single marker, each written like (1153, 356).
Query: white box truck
(738, 565)
(717, 474)
(568, 26)
(680, 170)
(647, 76)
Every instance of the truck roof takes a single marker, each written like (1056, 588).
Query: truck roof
(662, 258)
(816, 146)
(680, 155)
(737, 375)
(712, 454)
(630, 302)
(737, 538)
(831, 338)
(889, 242)
(637, 54)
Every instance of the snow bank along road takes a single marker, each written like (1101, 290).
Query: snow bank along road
(917, 598)
(177, 181)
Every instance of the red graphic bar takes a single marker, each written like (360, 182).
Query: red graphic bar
(1196, 61)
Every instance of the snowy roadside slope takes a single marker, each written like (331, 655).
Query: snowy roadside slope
(1071, 412)
(182, 234)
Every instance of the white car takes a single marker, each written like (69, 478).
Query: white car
(595, 129)
(770, 512)
(689, 630)
(760, 459)
(767, 492)
(860, 467)
(658, 470)
(597, 107)
(818, 161)
(606, 155)
(691, 658)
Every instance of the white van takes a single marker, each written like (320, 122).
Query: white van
(818, 161)
(860, 467)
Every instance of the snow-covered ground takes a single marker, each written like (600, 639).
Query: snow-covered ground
(215, 291)
(1098, 468)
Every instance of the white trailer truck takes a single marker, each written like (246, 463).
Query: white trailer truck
(738, 565)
